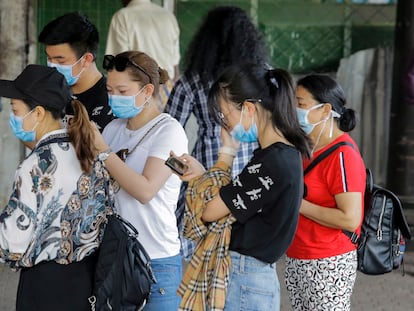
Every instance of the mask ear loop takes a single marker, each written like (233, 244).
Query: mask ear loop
(253, 123)
(331, 129)
(146, 98)
(241, 115)
(37, 122)
(319, 137)
(34, 127)
(82, 70)
(334, 114)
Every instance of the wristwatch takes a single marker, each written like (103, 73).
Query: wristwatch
(103, 156)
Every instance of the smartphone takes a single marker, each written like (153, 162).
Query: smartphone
(176, 165)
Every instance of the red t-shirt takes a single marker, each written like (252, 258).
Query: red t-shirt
(342, 171)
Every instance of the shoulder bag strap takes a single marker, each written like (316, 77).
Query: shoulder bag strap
(126, 152)
(325, 154)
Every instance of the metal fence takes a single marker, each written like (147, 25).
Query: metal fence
(305, 35)
(301, 35)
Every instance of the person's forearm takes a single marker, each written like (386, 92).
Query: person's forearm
(329, 217)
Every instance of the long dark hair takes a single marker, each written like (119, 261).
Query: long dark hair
(324, 89)
(275, 90)
(226, 36)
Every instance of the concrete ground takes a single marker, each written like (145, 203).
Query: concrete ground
(388, 292)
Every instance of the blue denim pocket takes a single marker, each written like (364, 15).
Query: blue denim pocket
(168, 272)
(253, 285)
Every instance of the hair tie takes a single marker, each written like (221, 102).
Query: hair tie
(272, 77)
(159, 76)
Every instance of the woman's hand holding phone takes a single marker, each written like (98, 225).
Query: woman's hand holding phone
(193, 168)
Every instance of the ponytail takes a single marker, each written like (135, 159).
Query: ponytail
(81, 133)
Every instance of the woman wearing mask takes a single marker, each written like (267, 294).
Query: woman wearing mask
(142, 138)
(321, 262)
(53, 222)
(251, 103)
(225, 37)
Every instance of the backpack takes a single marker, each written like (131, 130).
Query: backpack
(381, 244)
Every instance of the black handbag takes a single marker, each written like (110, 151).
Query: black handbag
(123, 274)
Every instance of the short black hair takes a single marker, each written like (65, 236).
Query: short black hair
(75, 29)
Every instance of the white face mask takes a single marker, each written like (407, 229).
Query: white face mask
(308, 127)
(303, 114)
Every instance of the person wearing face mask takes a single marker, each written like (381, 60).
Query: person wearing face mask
(209, 52)
(249, 221)
(134, 148)
(54, 220)
(71, 46)
(321, 262)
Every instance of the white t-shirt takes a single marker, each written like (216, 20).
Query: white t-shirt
(149, 28)
(155, 221)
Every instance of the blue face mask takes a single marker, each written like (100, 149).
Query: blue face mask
(66, 71)
(16, 125)
(124, 107)
(240, 134)
(304, 123)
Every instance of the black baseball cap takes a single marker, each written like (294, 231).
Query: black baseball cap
(44, 85)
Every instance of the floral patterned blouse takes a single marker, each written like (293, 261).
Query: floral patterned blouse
(56, 211)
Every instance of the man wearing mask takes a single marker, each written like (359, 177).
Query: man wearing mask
(71, 45)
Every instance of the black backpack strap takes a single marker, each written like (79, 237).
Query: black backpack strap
(325, 154)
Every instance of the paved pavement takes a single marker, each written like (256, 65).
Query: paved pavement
(388, 292)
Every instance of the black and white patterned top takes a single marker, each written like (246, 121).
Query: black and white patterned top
(265, 199)
(56, 211)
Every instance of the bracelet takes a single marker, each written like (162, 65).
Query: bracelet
(228, 150)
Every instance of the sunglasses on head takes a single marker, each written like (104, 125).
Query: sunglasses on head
(120, 63)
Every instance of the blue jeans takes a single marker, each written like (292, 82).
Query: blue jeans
(168, 272)
(253, 285)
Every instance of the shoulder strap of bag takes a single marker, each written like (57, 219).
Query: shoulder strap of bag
(127, 153)
(325, 154)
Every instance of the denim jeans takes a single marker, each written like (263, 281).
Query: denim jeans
(253, 285)
(168, 272)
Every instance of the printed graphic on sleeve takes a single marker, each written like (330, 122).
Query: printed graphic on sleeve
(254, 168)
(254, 194)
(239, 203)
(254, 191)
(266, 182)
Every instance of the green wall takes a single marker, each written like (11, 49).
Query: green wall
(302, 35)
